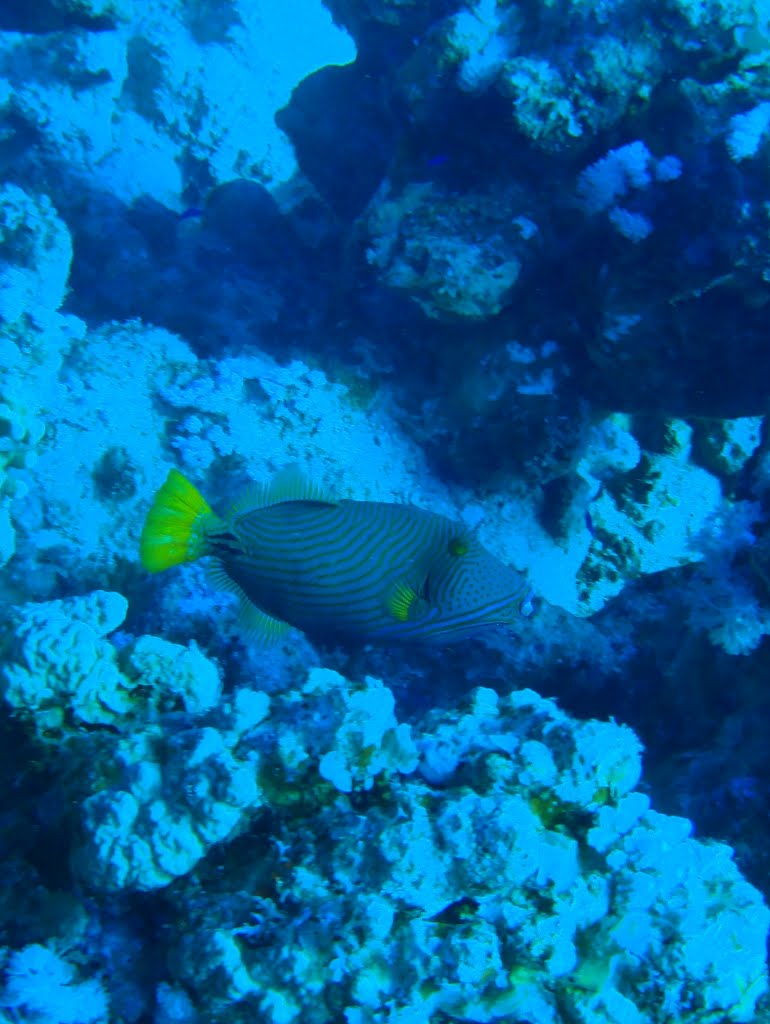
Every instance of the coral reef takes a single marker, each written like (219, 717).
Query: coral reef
(156, 86)
(508, 261)
(455, 258)
(493, 861)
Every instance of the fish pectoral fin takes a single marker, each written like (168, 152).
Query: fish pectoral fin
(400, 600)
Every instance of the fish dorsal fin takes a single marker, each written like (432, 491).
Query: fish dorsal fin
(288, 484)
(255, 624)
(291, 484)
(253, 497)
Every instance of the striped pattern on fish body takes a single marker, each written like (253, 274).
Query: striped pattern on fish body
(361, 570)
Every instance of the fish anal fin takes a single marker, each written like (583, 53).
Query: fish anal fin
(217, 577)
(256, 625)
(259, 626)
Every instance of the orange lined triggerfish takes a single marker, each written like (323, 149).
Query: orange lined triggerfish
(363, 571)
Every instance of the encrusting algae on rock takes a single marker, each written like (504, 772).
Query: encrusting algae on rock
(362, 571)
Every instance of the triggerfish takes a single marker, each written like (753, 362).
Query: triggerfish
(361, 571)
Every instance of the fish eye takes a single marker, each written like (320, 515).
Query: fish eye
(458, 547)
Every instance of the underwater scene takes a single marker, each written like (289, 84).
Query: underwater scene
(384, 504)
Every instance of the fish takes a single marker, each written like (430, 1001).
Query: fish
(463, 909)
(191, 213)
(336, 569)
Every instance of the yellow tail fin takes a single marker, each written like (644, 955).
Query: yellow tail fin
(175, 527)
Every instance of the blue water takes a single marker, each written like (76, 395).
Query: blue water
(505, 261)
